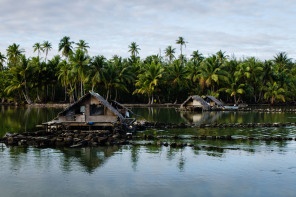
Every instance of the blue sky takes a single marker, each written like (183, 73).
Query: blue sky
(243, 28)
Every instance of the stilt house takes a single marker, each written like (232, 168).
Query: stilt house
(92, 109)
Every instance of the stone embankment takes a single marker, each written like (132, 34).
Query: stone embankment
(76, 139)
(142, 125)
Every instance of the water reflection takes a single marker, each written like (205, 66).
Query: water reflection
(21, 119)
(88, 158)
(174, 116)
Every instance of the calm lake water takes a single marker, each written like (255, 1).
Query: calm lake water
(231, 168)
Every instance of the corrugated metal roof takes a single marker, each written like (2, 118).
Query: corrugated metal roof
(219, 103)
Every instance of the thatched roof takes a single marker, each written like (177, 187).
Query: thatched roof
(219, 103)
(99, 98)
(205, 105)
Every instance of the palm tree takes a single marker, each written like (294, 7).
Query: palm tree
(282, 60)
(38, 47)
(65, 46)
(46, 46)
(38, 72)
(20, 75)
(80, 60)
(149, 80)
(251, 70)
(221, 56)
(196, 56)
(97, 64)
(82, 45)
(274, 92)
(13, 54)
(134, 49)
(111, 77)
(181, 42)
(177, 77)
(234, 89)
(169, 52)
(2, 60)
(212, 73)
(62, 74)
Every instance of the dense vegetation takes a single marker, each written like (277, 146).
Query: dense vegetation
(167, 79)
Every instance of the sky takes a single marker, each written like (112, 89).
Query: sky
(243, 28)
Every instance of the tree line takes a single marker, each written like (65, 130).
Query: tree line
(154, 79)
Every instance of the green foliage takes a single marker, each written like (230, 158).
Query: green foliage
(139, 80)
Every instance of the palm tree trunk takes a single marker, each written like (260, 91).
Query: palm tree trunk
(81, 88)
(115, 95)
(107, 94)
(38, 98)
(52, 92)
(65, 91)
(29, 101)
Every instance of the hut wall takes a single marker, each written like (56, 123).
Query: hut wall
(101, 118)
(190, 103)
(196, 103)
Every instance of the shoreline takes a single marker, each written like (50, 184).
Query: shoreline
(138, 105)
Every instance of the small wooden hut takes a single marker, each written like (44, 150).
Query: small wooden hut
(93, 110)
(195, 103)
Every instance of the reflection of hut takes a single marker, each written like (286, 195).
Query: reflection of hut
(213, 102)
(194, 103)
(93, 110)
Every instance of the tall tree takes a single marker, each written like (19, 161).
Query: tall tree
(149, 80)
(274, 92)
(65, 46)
(2, 61)
(62, 74)
(80, 60)
(97, 64)
(181, 42)
(20, 75)
(38, 47)
(169, 52)
(212, 74)
(13, 54)
(196, 56)
(281, 59)
(134, 49)
(46, 46)
(82, 45)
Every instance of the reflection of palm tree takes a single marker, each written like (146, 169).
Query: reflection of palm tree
(135, 156)
(89, 158)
